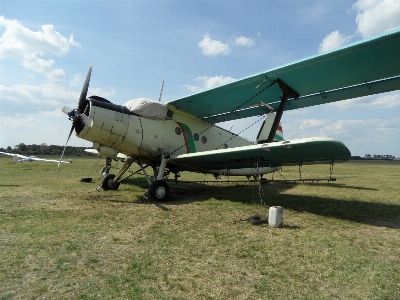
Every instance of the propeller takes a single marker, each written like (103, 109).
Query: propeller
(77, 114)
(84, 91)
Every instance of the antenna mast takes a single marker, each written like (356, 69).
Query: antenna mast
(162, 87)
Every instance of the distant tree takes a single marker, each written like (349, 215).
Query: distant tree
(43, 148)
(9, 149)
(21, 147)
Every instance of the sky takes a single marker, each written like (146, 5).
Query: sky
(46, 48)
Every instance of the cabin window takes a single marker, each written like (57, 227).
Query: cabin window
(196, 137)
(178, 130)
(203, 139)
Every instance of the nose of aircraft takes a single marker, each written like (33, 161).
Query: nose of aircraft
(77, 115)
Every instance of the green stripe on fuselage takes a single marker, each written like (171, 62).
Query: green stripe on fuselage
(188, 136)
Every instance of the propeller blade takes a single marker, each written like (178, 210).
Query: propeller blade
(66, 110)
(85, 88)
(86, 120)
(70, 133)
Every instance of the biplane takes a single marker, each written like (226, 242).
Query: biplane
(183, 135)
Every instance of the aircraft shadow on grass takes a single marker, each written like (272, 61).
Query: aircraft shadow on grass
(371, 213)
(344, 186)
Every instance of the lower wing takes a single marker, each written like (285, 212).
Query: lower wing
(295, 152)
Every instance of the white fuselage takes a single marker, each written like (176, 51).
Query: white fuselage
(113, 131)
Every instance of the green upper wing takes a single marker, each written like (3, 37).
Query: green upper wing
(301, 151)
(367, 67)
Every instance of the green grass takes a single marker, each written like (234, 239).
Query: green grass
(60, 238)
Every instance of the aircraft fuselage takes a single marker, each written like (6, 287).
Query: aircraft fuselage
(116, 129)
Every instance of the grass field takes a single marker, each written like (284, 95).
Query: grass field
(61, 239)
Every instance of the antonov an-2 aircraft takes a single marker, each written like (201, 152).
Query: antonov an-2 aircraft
(182, 135)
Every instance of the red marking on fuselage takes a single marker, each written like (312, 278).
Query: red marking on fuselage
(184, 137)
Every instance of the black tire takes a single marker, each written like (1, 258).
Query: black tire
(107, 182)
(159, 190)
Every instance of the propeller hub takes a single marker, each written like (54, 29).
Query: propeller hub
(72, 113)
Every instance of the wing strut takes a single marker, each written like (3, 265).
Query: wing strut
(288, 93)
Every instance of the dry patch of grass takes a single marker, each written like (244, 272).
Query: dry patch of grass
(59, 238)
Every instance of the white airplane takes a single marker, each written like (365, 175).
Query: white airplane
(17, 158)
(182, 135)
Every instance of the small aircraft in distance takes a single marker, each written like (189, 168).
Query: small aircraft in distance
(182, 135)
(17, 158)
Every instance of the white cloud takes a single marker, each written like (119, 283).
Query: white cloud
(72, 41)
(244, 41)
(100, 92)
(377, 16)
(373, 17)
(213, 47)
(29, 47)
(389, 100)
(312, 123)
(348, 131)
(206, 82)
(342, 127)
(333, 40)
(24, 97)
(53, 113)
(297, 112)
(19, 121)
(76, 81)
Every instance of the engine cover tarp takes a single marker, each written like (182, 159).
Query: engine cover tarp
(147, 108)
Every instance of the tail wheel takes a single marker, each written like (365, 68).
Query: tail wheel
(108, 184)
(159, 190)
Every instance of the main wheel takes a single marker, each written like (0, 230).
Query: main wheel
(108, 184)
(159, 190)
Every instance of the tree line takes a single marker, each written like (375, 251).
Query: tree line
(44, 149)
(378, 156)
(374, 156)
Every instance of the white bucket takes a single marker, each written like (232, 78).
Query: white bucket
(275, 217)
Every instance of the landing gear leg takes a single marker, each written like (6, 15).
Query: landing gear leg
(159, 189)
(331, 171)
(300, 166)
(112, 181)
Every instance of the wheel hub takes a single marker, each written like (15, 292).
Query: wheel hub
(160, 192)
